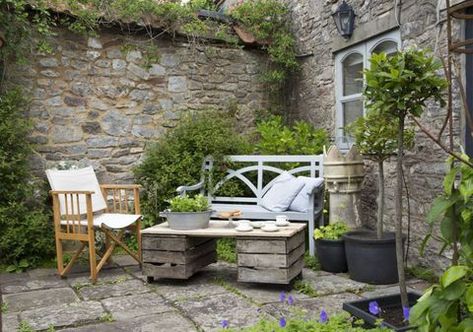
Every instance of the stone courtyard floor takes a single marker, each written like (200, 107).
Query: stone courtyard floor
(123, 301)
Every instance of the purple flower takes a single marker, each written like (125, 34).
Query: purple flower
(282, 297)
(373, 308)
(282, 322)
(290, 300)
(224, 324)
(406, 312)
(323, 316)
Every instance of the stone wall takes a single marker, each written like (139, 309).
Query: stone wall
(100, 100)
(313, 98)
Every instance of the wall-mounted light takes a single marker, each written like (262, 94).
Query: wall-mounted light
(344, 18)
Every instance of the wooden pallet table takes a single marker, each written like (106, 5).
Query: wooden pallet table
(262, 257)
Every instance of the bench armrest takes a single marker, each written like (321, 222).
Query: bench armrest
(120, 186)
(317, 189)
(183, 189)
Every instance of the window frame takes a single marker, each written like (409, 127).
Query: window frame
(365, 49)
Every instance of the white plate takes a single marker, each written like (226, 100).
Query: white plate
(257, 224)
(244, 229)
(282, 223)
(269, 229)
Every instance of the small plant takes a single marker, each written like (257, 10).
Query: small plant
(311, 262)
(4, 308)
(304, 287)
(331, 232)
(107, 318)
(226, 250)
(189, 204)
(25, 327)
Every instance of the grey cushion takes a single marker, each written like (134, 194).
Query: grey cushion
(301, 201)
(283, 191)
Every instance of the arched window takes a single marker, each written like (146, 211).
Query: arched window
(349, 66)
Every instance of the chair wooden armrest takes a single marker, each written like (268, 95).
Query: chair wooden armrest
(71, 192)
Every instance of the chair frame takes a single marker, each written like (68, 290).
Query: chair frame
(75, 231)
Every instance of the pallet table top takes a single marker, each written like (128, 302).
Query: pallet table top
(223, 228)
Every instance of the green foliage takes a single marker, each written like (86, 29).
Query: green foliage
(108, 317)
(303, 287)
(447, 306)
(335, 323)
(176, 159)
(277, 138)
(311, 262)
(453, 210)
(401, 83)
(25, 327)
(184, 203)
(25, 228)
(376, 135)
(226, 250)
(267, 21)
(423, 273)
(331, 232)
(4, 308)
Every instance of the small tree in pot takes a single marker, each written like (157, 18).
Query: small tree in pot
(375, 136)
(371, 257)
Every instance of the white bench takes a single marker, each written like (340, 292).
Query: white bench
(308, 165)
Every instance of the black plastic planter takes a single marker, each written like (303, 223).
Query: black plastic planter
(370, 259)
(387, 304)
(331, 255)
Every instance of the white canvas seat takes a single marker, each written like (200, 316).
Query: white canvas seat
(80, 208)
(110, 220)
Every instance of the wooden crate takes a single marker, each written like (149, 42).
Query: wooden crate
(266, 260)
(176, 257)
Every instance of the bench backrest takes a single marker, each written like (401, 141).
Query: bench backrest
(308, 165)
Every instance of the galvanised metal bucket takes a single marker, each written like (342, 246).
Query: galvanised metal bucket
(187, 220)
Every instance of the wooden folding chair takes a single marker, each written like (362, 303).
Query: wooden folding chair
(80, 208)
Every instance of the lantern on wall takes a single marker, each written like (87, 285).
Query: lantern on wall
(344, 18)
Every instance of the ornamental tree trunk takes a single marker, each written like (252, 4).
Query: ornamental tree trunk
(379, 224)
(399, 244)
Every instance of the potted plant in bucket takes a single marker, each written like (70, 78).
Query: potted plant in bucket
(330, 247)
(186, 212)
(371, 256)
(398, 86)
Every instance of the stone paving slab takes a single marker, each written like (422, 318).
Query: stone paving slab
(127, 307)
(310, 308)
(39, 298)
(180, 290)
(386, 291)
(105, 276)
(331, 284)
(10, 322)
(164, 322)
(60, 315)
(120, 288)
(209, 312)
(26, 284)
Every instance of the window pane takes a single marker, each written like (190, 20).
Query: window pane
(352, 110)
(388, 47)
(353, 74)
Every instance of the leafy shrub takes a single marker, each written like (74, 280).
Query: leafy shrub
(331, 232)
(226, 250)
(177, 158)
(26, 234)
(189, 204)
(336, 323)
(277, 138)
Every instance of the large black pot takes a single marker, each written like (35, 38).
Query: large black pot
(331, 255)
(387, 303)
(370, 259)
